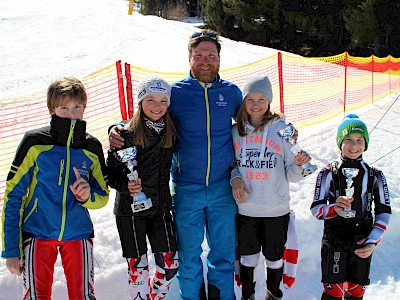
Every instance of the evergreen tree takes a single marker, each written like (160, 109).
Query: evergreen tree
(254, 21)
(215, 18)
(362, 24)
(388, 27)
(159, 7)
(319, 26)
(310, 27)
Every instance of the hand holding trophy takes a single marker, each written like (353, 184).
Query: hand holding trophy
(128, 156)
(287, 133)
(349, 173)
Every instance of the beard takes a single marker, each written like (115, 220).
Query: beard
(205, 76)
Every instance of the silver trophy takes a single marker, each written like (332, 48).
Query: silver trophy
(128, 156)
(287, 133)
(349, 173)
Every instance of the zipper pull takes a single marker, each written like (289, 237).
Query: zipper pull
(73, 122)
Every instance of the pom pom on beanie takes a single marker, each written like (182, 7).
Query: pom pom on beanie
(351, 124)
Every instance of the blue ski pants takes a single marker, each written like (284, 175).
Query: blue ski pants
(213, 209)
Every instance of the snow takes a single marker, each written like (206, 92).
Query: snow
(43, 39)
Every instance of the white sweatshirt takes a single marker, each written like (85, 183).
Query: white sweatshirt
(267, 168)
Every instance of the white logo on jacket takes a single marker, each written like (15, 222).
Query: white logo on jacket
(221, 101)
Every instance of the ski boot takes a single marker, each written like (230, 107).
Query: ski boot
(347, 296)
(277, 296)
(274, 278)
(248, 282)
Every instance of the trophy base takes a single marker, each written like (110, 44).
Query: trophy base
(141, 203)
(347, 213)
(309, 169)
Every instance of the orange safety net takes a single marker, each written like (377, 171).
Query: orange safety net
(23, 113)
(306, 90)
(309, 90)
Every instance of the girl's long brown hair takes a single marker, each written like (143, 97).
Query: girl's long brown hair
(140, 130)
(242, 118)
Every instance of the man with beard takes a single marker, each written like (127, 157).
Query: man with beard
(203, 106)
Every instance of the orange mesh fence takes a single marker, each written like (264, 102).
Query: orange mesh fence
(313, 89)
(21, 114)
(133, 77)
(306, 90)
(237, 75)
(309, 90)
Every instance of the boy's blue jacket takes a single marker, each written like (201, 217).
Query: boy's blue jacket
(203, 115)
(38, 201)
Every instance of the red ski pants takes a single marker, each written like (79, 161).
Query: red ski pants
(38, 268)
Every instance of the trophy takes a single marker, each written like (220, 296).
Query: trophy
(336, 258)
(349, 173)
(287, 133)
(128, 156)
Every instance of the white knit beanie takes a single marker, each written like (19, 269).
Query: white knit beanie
(258, 84)
(153, 84)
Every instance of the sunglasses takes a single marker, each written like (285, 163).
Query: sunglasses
(210, 35)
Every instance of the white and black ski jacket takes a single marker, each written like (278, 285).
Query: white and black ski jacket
(324, 196)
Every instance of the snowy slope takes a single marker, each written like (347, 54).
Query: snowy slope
(44, 39)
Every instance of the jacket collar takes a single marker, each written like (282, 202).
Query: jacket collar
(351, 162)
(60, 129)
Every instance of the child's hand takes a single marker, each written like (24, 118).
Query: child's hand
(302, 158)
(365, 251)
(342, 203)
(135, 187)
(239, 187)
(80, 187)
(115, 140)
(14, 265)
